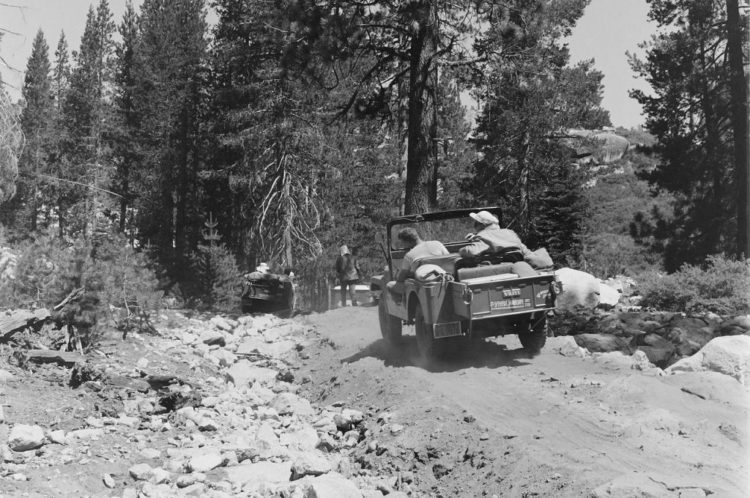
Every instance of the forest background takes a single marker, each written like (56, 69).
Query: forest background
(167, 154)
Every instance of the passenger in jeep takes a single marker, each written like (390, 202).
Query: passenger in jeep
(490, 235)
(418, 249)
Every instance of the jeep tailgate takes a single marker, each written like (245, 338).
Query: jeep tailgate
(503, 296)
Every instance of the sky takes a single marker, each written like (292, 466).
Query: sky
(606, 31)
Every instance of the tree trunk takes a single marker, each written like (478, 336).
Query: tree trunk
(523, 187)
(421, 101)
(124, 198)
(738, 90)
(288, 220)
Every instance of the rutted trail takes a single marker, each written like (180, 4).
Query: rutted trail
(563, 423)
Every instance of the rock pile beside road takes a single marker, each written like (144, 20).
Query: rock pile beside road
(234, 427)
(664, 337)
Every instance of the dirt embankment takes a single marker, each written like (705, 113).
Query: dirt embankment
(319, 406)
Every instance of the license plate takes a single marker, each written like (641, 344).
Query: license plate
(450, 329)
(509, 304)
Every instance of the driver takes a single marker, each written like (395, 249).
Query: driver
(418, 249)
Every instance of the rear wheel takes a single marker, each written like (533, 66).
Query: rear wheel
(390, 326)
(533, 341)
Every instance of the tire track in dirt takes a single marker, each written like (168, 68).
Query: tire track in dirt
(551, 424)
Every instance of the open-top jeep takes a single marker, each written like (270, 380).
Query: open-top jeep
(469, 297)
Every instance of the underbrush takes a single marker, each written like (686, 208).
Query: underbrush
(721, 286)
(216, 280)
(90, 284)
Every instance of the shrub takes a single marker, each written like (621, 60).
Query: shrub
(218, 281)
(127, 283)
(109, 280)
(722, 286)
(607, 255)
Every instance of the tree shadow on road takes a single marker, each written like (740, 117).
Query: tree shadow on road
(476, 354)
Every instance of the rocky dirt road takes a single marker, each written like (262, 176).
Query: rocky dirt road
(491, 421)
(319, 407)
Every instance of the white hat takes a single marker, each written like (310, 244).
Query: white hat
(484, 217)
(263, 267)
(344, 250)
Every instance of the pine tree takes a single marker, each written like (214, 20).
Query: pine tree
(168, 79)
(35, 125)
(87, 112)
(63, 192)
(272, 139)
(531, 97)
(689, 113)
(125, 135)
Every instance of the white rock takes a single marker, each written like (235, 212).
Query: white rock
(566, 345)
(396, 428)
(608, 296)
(261, 472)
(578, 289)
(223, 358)
(141, 472)
(244, 373)
(150, 453)
(189, 479)
(355, 416)
(267, 442)
(84, 435)
(108, 481)
(128, 421)
(310, 464)
(95, 422)
(5, 376)
(159, 476)
(25, 437)
(210, 401)
(156, 490)
(57, 437)
(221, 323)
(641, 361)
(213, 337)
(276, 349)
(291, 404)
(330, 485)
(305, 439)
(729, 355)
(129, 493)
(206, 462)
(325, 424)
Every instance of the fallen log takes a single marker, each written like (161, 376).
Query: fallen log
(63, 358)
(16, 320)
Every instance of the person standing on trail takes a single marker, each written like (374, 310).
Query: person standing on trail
(347, 269)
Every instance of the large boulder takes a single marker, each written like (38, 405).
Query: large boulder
(579, 289)
(25, 437)
(608, 296)
(729, 355)
(244, 373)
(602, 343)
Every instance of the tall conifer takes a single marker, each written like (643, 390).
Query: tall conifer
(35, 124)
